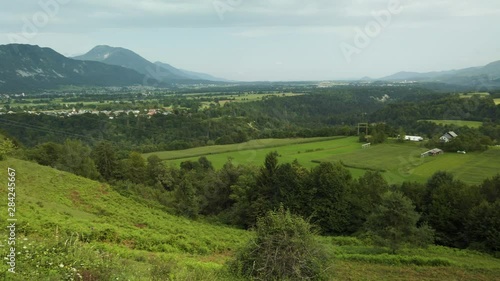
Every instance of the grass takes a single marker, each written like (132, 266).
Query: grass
(67, 225)
(460, 123)
(497, 101)
(53, 204)
(398, 162)
(357, 261)
(246, 97)
(469, 95)
(250, 152)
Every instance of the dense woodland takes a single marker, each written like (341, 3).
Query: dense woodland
(444, 209)
(319, 112)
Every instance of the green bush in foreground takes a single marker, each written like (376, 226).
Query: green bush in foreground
(284, 249)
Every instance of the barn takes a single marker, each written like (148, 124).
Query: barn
(448, 136)
(432, 152)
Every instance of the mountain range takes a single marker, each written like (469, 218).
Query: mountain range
(29, 67)
(487, 76)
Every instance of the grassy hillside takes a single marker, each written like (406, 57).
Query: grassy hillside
(52, 204)
(397, 161)
(70, 228)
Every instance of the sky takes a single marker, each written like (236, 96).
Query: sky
(269, 40)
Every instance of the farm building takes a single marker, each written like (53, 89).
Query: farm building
(414, 138)
(448, 136)
(432, 152)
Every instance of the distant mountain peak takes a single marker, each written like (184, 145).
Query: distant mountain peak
(27, 67)
(129, 59)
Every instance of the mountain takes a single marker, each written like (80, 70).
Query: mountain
(192, 74)
(28, 67)
(487, 76)
(126, 58)
(129, 59)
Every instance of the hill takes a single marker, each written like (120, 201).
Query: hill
(28, 67)
(71, 228)
(56, 206)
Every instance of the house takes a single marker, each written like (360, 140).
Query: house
(414, 138)
(448, 136)
(432, 152)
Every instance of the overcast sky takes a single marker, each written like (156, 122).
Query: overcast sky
(269, 39)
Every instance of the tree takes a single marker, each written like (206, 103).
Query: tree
(46, 154)
(366, 195)
(401, 134)
(6, 146)
(447, 205)
(104, 156)
(490, 189)
(186, 199)
(155, 170)
(331, 185)
(394, 222)
(75, 158)
(284, 249)
(267, 188)
(135, 167)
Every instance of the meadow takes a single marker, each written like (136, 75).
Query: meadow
(396, 161)
(469, 95)
(459, 123)
(245, 97)
(71, 228)
(497, 101)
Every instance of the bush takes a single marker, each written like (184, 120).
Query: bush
(284, 249)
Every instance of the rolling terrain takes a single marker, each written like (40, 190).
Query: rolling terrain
(398, 162)
(69, 227)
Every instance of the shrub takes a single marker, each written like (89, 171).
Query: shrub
(284, 249)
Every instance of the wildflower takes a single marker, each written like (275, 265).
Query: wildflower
(61, 265)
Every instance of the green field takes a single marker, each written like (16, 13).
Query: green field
(67, 224)
(497, 101)
(460, 123)
(249, 152)
(246, 97)
(398, 162)
(469, 95)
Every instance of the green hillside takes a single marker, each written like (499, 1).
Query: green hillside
(71, 228)
(51, 204)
